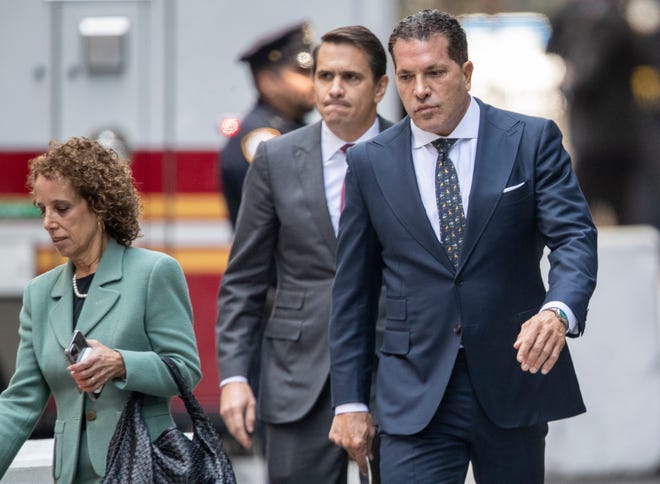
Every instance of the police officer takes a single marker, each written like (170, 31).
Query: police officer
(281, 66)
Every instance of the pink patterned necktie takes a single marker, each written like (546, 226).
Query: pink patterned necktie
(448, 198)
(343, 185)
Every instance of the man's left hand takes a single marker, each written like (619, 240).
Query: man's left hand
(540, 341)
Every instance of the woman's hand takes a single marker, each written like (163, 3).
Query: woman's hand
(102, 365)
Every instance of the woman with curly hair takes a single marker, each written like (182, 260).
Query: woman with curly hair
(131, 304)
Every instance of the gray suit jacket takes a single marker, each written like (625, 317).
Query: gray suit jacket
(283, 225)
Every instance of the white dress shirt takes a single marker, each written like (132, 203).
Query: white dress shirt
(462, 154)
(334, 167)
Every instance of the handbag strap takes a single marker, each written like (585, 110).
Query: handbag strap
(192, 405)
(210, 451)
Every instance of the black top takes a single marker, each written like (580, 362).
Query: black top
(83, 284)
(234, 165)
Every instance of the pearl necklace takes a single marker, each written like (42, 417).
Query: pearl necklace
(75, 289)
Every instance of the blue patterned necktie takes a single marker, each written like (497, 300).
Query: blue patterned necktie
(448, 198)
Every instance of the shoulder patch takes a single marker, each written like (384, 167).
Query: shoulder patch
(251, 140)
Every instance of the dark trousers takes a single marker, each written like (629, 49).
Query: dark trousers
(301, 452)
(458, 433)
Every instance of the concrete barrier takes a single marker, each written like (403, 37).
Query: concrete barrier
(618, 366)
(32, 463)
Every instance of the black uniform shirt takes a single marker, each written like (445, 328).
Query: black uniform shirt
(261, 123)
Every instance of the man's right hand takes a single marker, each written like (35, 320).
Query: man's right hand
(238, 410)
(355, 432)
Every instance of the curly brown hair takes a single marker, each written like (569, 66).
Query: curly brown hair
(99, 176)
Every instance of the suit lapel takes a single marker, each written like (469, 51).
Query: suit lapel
(101, 299)
(497, 147)
(395, 175)
(309, 165)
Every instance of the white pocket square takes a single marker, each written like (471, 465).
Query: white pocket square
(514, 187)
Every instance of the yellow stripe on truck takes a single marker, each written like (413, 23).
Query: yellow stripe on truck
(194, 261)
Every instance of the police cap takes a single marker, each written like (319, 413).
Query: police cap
(291, 46)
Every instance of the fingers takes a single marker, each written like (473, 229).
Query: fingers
(554, 356)
(235, 422)
(362, 465)
(102, 365)
(236, 427)
(355, 433)
(238, 410)
(87, 382)
(251, 417)
(540, 342)
(92, 384)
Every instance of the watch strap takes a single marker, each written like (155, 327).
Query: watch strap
(561, 315)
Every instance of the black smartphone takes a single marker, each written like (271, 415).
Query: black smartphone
(76, 352)
(78, 349)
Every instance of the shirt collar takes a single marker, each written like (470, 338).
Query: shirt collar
(467, 128)
(331, 143)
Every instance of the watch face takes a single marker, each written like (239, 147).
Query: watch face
(561, 315)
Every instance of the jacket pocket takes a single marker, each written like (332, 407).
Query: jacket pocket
(58, 437)
(284, 329)
(395, 342)
(288, 299)
(516, 194)
(395, 309)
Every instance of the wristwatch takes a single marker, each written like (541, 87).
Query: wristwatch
(561, 316)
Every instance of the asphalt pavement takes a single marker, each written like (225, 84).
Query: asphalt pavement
(252, 470)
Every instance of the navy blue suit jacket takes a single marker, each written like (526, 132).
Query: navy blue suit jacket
(431, 307)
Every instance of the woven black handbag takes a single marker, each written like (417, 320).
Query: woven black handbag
(173, 457)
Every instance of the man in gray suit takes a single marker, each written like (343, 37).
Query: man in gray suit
(288, 221)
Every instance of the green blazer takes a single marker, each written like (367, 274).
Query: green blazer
(138, 304)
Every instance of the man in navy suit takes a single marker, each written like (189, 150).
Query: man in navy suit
(474, 361)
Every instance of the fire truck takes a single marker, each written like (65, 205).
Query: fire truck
(159, 77)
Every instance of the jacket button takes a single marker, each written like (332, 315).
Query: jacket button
(91, 415)
(457, 328)
(459, 281)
